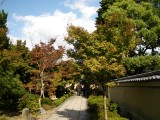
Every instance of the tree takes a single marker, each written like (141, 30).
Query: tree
(104, 6)
(23, 68)
(90, 50)
(136, 19)
(70, 73)
(44, 57)
(4, 40)
(129, 26)
(141, 64)
(12, 88)
(99, 59)
(13, 68)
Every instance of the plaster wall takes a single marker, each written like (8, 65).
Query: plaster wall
(139, 100)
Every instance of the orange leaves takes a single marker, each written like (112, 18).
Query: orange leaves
(45, 55)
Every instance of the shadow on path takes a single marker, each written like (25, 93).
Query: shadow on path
(75, 108)
(73, 114)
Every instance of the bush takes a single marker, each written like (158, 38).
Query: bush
(114, 116)
(47, 107)
(3, 117)
(58, 101)
(11, 90)
(30, 101)
(96, 109)
(113, 107)
(47, 101)
(95, 104)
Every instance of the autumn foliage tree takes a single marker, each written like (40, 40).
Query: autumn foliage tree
(65, 73)
(99, 59)
(95, 55)
(44, 57)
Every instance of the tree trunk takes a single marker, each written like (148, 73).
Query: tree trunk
(105, 105)
(42, 90)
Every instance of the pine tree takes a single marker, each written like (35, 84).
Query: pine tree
(4, 40)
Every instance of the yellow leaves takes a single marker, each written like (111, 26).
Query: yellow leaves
(102, 66)
(12, 59)
(111, 84)
(93, 64)
(57, 76)
(76, 34)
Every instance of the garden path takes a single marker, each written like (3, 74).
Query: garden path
(74, 108)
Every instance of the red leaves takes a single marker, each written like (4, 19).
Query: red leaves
(45, 55)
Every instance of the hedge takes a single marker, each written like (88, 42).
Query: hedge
(96, 109)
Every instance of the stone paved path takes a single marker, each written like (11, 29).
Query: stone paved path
(74, 108)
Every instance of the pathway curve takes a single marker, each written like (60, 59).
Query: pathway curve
(74, 108)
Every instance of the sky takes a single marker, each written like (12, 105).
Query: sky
(41, 20)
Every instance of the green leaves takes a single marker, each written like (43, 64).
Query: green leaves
(131, 24)
(11, 90)
(4, 40)
(100, 57)
(141, 64)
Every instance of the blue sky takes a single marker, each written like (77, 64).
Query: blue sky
(40, 20)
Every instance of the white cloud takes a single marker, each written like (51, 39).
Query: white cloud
(81, 5)
(46, 26)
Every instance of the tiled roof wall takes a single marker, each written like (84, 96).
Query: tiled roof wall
(154, 75)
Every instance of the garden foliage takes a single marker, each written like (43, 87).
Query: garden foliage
(141, 64)
(96, 109)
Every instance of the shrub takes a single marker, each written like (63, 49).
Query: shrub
(11, 90)
(47, 101)
(47, 107)
(30, 101)
(3, 117)
(58, 101)
(114, 116)
(95, 104)
(113, 107)
(96, 109)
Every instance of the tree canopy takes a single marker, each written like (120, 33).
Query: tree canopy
(98, 59)
(136, 22)
(126, 31)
